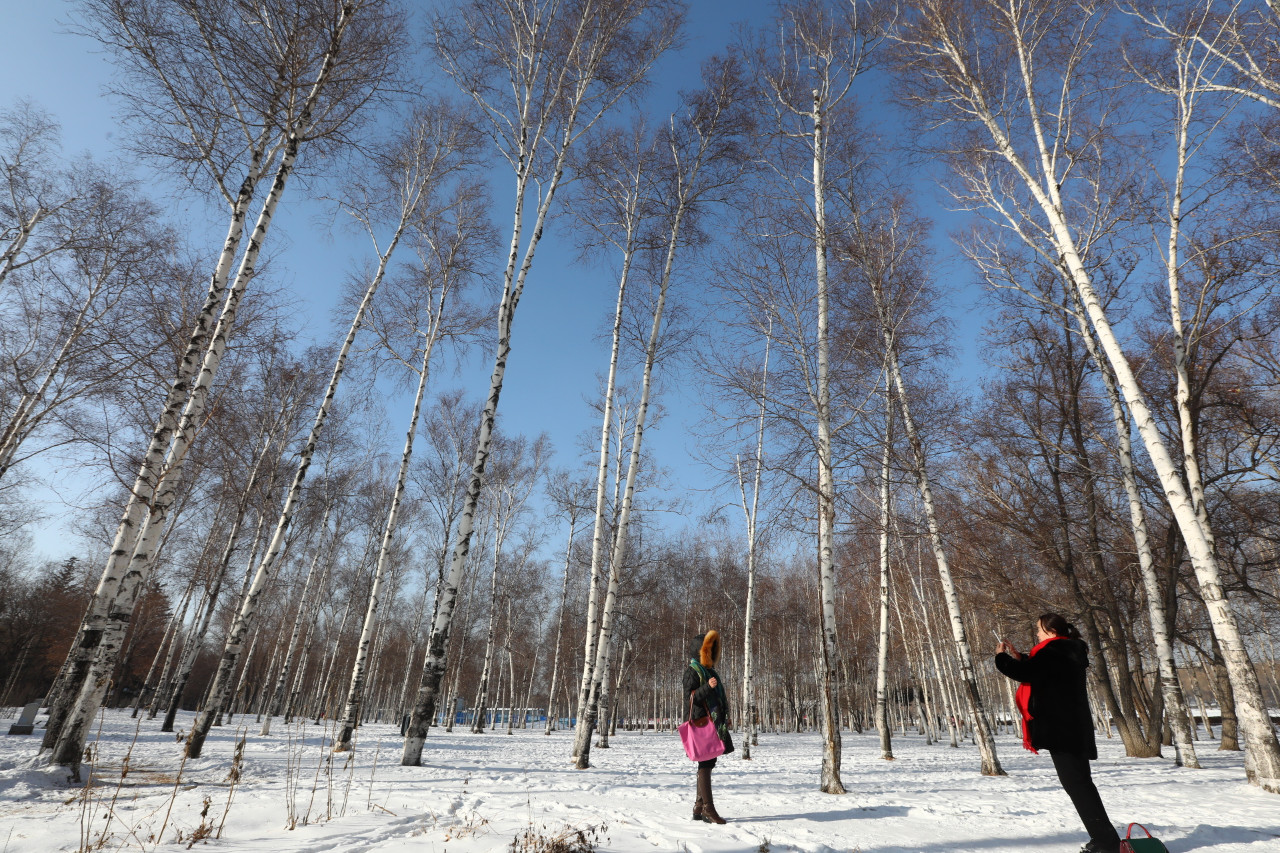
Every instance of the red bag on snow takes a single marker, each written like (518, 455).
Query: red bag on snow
(1141, 845)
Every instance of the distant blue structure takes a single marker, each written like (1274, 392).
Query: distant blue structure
(463, 715)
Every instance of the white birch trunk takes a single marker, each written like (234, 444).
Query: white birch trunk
(926, 698)
(602, 470)
(482, 689)
(685, 175)
(1175, 702)
(417, 182)
(587, 722)
(248, 609)
(276, 697)
(116, 621)
(986, 744)
(882, 656)
(982, 732)
(940, 675)
(513, 287)
(167, 643)
(415, 635)
(830, 782)
(511, 679)
(541, 107)
(8, 259)
(528, 689)
(452, 696)
(1185, 93)
(751, 511)
(564, 596)
(140, 547)
(201, 631)
(605, 698)
(304, 649)
(322, 694)
(229, 695)
(163, 684)
(66, 691)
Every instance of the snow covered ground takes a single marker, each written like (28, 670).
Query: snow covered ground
(477, 792)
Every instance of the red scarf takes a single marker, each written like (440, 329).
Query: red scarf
(1023, 699)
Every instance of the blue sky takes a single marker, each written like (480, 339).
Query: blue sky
(557, 349)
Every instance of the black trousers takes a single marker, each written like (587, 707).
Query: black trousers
(1077, 781)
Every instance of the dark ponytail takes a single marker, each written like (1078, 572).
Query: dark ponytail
(1054, 623)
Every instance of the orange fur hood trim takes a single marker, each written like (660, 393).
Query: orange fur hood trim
(709, 654)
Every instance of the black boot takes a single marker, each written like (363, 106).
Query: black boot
(697, 807)
(704, 793)
(1095, 846)
(1077, 781)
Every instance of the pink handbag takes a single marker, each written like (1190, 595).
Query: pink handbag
(701, 740)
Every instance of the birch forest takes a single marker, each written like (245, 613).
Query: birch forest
(907, 323)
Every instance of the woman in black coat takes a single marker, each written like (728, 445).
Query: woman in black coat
(704, 694)
(1055, 716)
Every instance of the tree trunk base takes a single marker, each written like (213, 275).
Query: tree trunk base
(1143, 750)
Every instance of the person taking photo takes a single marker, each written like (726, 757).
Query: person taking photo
(1055, 717)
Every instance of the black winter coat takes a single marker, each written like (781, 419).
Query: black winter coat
(706, 651)
(1059, 705)
(704, 695)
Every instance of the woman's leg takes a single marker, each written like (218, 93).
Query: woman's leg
(699, 803)
(704, 792)
(1077, 781)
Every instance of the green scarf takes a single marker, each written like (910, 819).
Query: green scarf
(723, 700)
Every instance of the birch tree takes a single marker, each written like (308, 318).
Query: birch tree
(751, 512)
(885, 250)
(440, 476)
(615, 176)
(1027, 123)
(1189, 74)
(882, 656)
(1185, 752)
(704, 154)
(151, 55)
(542, 74)
(265, 464)
(314, 580)
(569, 498)
(175, 64)
(447, 234)
(424, 162)
(516, 469)
(821, 50)
(1200, 59)
(1051, 401)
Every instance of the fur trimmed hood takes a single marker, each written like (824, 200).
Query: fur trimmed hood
(707, 649)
